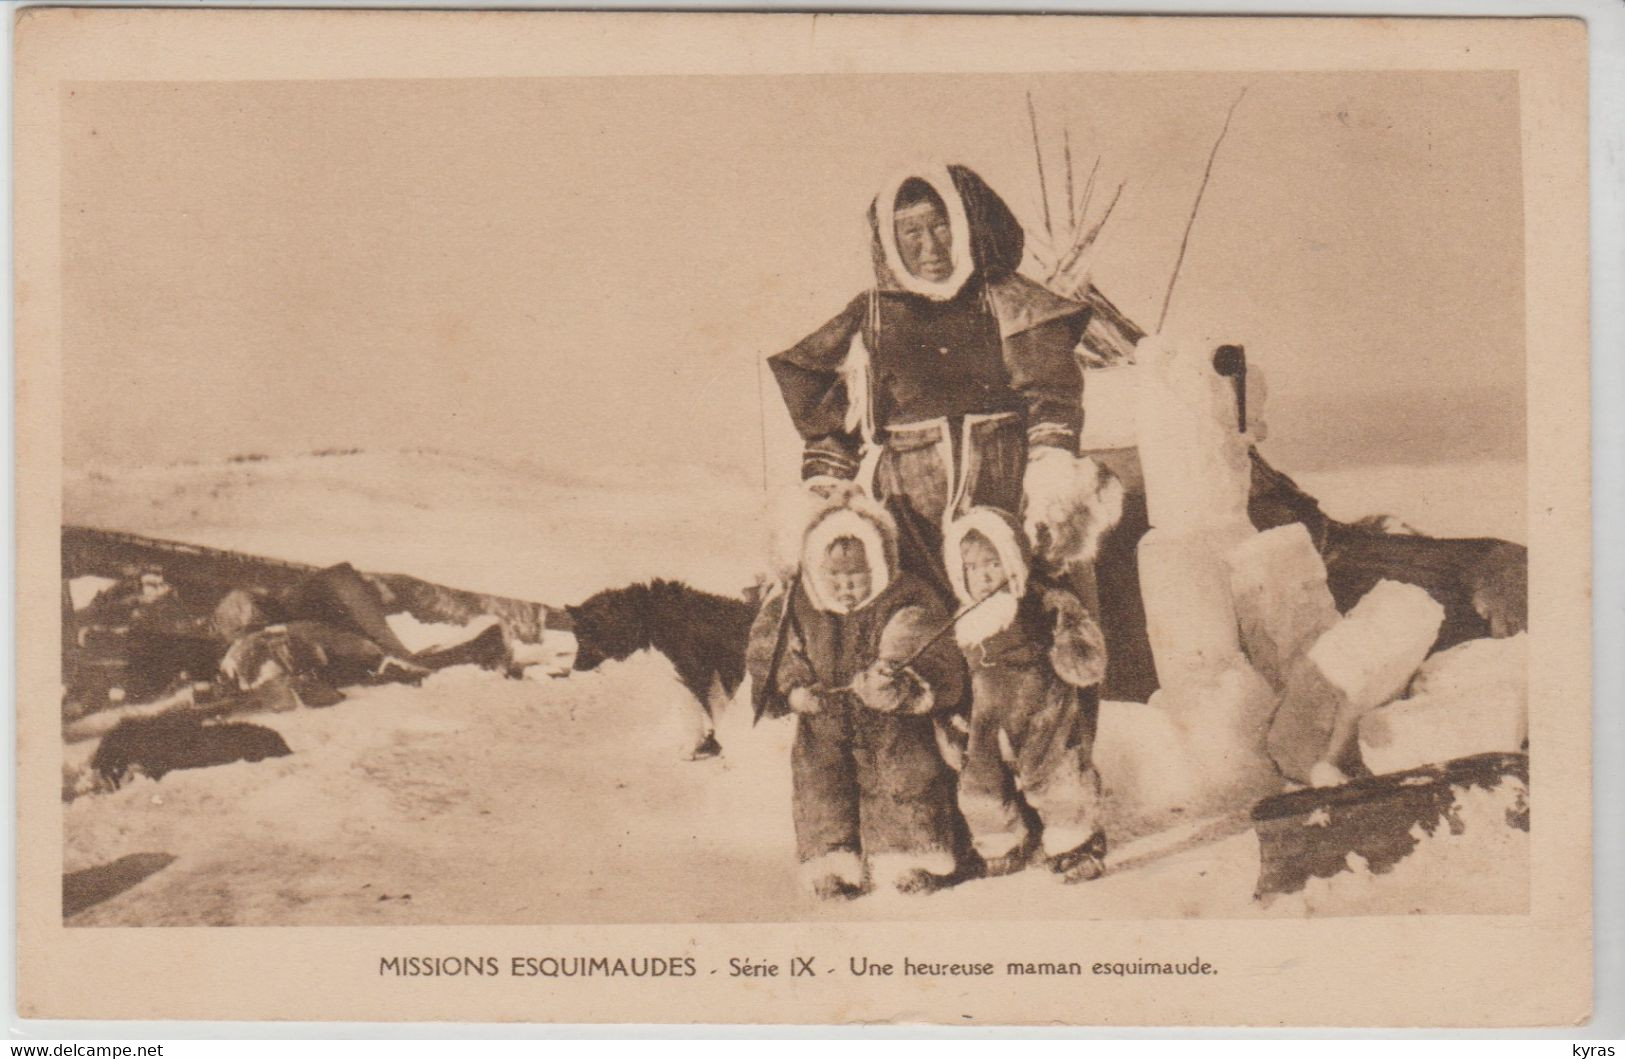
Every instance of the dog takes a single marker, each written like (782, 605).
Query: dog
(703, 636)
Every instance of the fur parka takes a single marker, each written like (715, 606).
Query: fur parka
(1036, 658)
(985, 340)
(872, 797)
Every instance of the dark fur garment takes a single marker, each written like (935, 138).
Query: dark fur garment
(159, 745)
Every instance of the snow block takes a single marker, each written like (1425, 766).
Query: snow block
(1190, 619)
(1301, 732)
(1474, 666)
(1224, 725)
(1471, 699)
(1375, 650)
(1184, 755)
(1145, 766)
(1358, 664)
(1278, 583)
(1197, 471)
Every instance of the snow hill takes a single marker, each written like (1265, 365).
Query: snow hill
(484, 524)
(474, 799)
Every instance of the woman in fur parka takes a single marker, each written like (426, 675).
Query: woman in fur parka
(1036, 659)
(855, 661)
(957, 368)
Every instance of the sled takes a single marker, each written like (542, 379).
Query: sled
(1312, 833)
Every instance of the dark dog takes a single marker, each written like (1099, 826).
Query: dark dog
(163, 744)
(703, 635)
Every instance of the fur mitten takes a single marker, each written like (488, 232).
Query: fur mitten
(887, 690)
(1068, 505)
(1078, 652)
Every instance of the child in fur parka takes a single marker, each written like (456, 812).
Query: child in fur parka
(855, 661)
(1036, 659)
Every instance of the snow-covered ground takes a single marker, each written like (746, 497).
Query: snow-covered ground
(475, 799)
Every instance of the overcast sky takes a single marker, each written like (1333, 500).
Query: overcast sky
(588, 270)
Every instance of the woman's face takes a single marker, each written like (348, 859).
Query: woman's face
(924, 241)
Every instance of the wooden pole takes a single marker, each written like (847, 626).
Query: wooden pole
(1066, 151)
(1191, 220)
(948, 628)
(761, 422)
(1043, 186)
(1088, 193)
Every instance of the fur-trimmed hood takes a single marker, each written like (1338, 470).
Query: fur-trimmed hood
(1003, 532)
(852, 514)
(987, 239)
(998, 612)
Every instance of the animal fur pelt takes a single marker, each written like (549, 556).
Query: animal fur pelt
(524, 621)
(703, 636)
(163, 744)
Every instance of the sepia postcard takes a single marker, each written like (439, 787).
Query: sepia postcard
(790, 518)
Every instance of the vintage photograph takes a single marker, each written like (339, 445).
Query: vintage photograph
(795, 497)
(1158, 510)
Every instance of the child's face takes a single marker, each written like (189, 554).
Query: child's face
(984, 574)
(846, 574)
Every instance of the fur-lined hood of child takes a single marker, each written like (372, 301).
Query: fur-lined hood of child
(1030, 617)
(826, 643)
